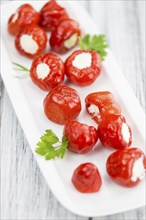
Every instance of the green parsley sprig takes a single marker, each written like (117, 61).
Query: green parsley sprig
(95, 42)
(50, 147)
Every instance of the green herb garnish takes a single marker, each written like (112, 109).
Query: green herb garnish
(21, 68)
(24, 71)
(50, 146)
(95, 42)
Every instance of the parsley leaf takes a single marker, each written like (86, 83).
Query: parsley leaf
(50, 147)
(95, 42)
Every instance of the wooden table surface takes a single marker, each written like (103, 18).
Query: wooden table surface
(24, 192)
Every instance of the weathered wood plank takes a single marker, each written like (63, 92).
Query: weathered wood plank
(123, 23)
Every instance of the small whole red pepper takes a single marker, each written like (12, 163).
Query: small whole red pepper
(126, 167)
(65, 36)
(24, 15)
(31, 41)
(81, 137)
(47, 71)
(86, 178)
(61, 104)
(51, 14)
(101, 104)
(79, 71)
(114, 132)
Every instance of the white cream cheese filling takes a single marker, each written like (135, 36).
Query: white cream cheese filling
(138, 171)
(82, 60)
(42, 70)
(93, 109)
(15, 17)
(28, 44)
(70, 42)
(125, 132)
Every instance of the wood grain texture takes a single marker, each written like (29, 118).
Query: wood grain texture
(24, 192)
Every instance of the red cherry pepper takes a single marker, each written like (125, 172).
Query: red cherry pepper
(25, 14)
(100, 104)
(61, 104)
(51, 14)
(86, 178)
(81, 137)
(83, 75)
(65, 30)
(25, 37)
(55, 75)
(126, 167)
(114, 132)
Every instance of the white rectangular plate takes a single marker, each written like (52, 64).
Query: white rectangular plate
(27, 101)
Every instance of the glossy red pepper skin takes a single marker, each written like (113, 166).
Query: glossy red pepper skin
(120, 165)
(55, 76)
(85, 76)
(51, 14)
(106, 104)
(63, 31)
(26, 15)
(110, 132)
(86, 178)
(81, 137)
(38, 34)
(61, 104)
